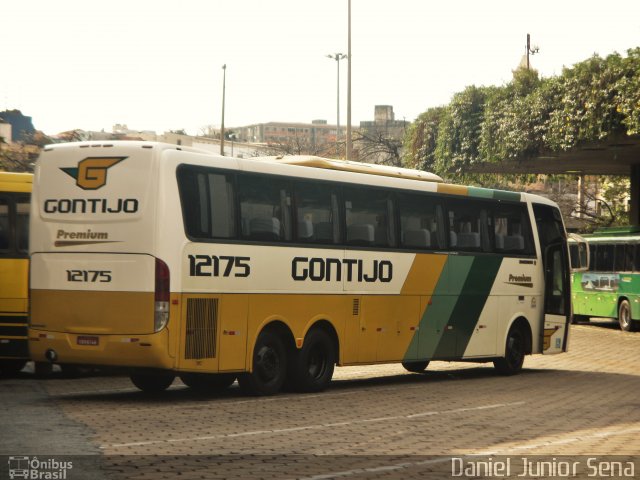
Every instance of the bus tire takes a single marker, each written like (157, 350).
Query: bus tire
(42, 369)
(514, 352)
(208, 382)
(12, 367)
(624, 317)
(312, 366)
(416, 367)
(269, 366)
(152, 382)
(579, 319)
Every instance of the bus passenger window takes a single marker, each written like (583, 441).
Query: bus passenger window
(419, 225)
(635, 267)
(368, 218)
(316, 214)
(619, 258)
(265, 208)
(510, 230)
(22, 226)
(465, 226)
(629, 257)
(207, 200)
(4, 225)
(604, 258)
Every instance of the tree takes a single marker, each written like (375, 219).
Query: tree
(422, 138)
(377, 147)
(299, 145)
(17, 159)
(593, 100)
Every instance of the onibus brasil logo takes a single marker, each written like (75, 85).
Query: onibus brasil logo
(91, 173)
(33, 468)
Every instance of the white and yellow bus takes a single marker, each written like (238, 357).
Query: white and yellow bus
(15, 191)
(171, 261)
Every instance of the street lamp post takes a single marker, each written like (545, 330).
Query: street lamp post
(337, 57)
(349, 57)
(224, 79)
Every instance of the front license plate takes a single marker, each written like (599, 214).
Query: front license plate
(87, 340)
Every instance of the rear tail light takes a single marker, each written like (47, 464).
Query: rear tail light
(161, 317)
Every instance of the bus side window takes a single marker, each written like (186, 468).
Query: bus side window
(465, 226)
(619, 258)
(512, 234)
(635, 267)
(316, 217)
(419, 224)
(207, 199)
(368, 217)
(629, 254)
(22, 225)
(604, 258)
(4, 224)
(265, 208)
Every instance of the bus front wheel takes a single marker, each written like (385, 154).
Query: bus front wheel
(514, 353)
(416, 367)
(624, 317)
(152, 382)
(312, 366)
(269, 366)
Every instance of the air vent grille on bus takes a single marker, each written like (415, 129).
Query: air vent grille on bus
(202, 328)
(356, 307)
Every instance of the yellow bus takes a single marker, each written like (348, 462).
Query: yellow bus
(169, 261)
(15, 192)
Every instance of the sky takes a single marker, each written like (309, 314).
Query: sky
(157, 64)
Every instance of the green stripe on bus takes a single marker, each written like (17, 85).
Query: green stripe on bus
(458, 300)
(481, 192)
(468, 309)
(509, 196)
(436, 316)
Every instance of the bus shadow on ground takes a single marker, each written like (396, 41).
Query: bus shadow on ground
(577, 384)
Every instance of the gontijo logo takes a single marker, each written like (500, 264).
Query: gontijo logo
(91, 173)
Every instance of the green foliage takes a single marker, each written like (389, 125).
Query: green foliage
(421, 139)
(591, 101)
(628, 102)
(459, 130)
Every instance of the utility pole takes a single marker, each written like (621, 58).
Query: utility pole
(529, 50)
(348, 152)
(224, 78)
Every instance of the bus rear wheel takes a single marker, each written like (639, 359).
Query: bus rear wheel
(624, 317)
(208, 382)
(416, 367)
(269, 366)
(514, 353)
(312, 366)
(152, 382)
(12, 367)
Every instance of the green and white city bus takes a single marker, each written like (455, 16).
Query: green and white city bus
(610, 287)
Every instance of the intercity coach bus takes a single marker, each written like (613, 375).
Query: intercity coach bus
(169, 261)
(15, 192)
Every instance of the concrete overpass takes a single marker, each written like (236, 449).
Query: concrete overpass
(616, 156)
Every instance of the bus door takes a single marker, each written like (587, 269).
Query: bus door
(557, 303)
(555, 261)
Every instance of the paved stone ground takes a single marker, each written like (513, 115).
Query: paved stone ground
(374, 421)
